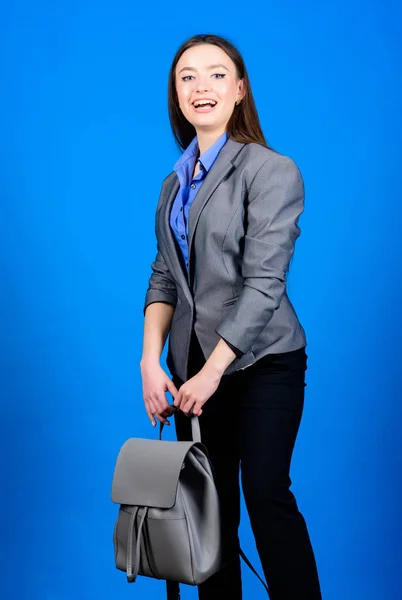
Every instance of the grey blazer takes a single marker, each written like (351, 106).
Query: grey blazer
(243, 225)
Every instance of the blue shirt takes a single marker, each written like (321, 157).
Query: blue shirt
(189, 187)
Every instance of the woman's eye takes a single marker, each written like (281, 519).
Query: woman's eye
(218, 75)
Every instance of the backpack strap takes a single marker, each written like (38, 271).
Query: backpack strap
(133, 572)
(130, 544)
(250, 566)
(173, 587)
(172, 590)
(195, 427)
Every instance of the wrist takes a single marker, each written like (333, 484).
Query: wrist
(213, 370)
(149, 361)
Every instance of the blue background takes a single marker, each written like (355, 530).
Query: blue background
(85, 144)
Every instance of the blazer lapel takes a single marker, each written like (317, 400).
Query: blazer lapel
(167, 234)
(219, 170)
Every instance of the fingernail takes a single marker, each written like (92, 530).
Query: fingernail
(167, 422)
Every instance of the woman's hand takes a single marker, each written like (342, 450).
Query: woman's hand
(196, 391)
(155, 384)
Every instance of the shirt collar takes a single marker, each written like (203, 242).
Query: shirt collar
(208, 158)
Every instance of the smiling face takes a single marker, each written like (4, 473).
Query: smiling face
(205, 72)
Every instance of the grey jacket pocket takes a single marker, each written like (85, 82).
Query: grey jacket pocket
(230, 301)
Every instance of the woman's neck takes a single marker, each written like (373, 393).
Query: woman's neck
(206, 139)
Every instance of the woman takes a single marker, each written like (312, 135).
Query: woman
(226, 226)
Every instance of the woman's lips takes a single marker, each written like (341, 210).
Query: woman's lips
(203, 109)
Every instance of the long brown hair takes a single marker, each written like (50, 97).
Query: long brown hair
(244, 124)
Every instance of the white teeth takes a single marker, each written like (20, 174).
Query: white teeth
(203, 103)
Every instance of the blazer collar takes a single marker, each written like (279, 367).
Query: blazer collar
(223, 165)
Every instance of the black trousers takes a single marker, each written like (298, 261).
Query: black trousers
(252, 421)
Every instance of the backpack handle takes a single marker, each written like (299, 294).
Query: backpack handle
(195, 427)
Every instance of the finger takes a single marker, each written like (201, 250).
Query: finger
(150, 415)
(158, 414)
(187, 407)
(170, 410)
(158, 406)
(160, 403)
(165, 415)
(178, 399)
(197, 410)
(161, 419)
(163, 408)
(151, 418)
(172, 388)
(155, 413)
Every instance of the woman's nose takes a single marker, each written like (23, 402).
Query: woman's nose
(202, 86)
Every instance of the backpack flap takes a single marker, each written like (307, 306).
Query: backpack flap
(147, 472)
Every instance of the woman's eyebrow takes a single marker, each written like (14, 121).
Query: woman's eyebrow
(210, 67)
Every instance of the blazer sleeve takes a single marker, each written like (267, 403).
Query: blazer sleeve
(238, 352)
(275, 203)
(161, 287)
